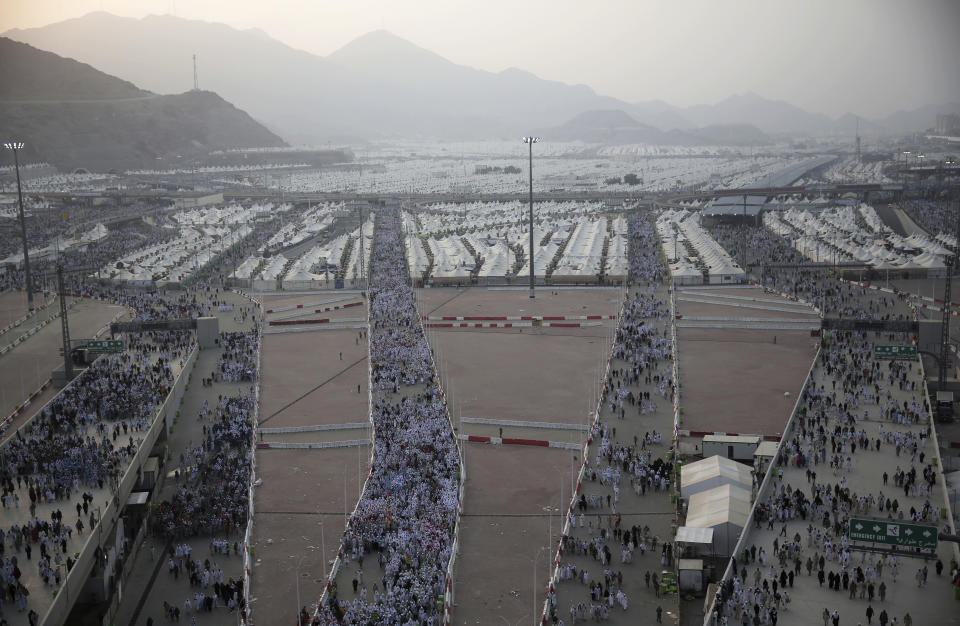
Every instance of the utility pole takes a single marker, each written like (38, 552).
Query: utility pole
(530, 141)
(859, 159)
(743, 236)
(16, 146)
(64, 325)
(360, 260)
(947, 307)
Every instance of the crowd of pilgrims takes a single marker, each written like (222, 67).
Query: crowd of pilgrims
(121, 239)
(84, 439)
(406, 515)
(854, 405)
(238, 362)
(933, 216)
(642, 356)
(820, 288)
(210, 587)
(213, 476)
(81, 442)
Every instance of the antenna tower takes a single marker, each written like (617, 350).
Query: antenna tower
(196, 83)
(858, 140)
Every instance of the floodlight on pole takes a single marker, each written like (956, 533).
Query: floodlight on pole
(530, 141)
(16, 146)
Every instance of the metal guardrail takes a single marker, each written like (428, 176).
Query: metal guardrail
(523, 424)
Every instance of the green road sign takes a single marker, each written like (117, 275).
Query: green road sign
(895, 352)
(893, 533)
(110, 345)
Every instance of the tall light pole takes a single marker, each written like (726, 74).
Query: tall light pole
(530, 141)
(536, 559)
(297, 572)
(16, 146)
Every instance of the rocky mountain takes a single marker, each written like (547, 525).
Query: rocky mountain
(379, 85)
(73, 115)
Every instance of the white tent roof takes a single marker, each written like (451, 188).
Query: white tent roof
(767, 448)
(693, 534)
(713, 467)
(727, 504)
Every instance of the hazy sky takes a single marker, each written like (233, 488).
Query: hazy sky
(831, 56)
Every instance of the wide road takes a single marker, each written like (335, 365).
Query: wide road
(24, 368)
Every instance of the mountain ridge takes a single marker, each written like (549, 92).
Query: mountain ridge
(381, 85)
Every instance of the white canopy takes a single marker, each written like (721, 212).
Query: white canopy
(694, 534)
(712, 472)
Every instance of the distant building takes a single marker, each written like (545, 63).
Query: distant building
(199, 201)
(948, 124)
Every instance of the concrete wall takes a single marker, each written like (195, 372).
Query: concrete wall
(208, 330)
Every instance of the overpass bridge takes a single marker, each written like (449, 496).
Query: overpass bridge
(630, 196)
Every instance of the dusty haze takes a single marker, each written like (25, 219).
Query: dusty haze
(872, 57)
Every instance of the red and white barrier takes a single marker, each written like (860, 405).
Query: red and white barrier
(324, 320)
(337, 308)
(515, 441)
(509, 324)
(480, 325)
(717, 433)
(5, 422)
(513, 318)
(309, 305)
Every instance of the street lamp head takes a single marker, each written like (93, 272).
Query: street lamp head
(531, 139)
(13, 145)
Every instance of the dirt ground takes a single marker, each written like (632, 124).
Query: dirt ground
(734, 380)
(301, 489)
(304, 382)
(539, 376)
(511, 499)
(720, 368)
(482, 301)
(512, 493)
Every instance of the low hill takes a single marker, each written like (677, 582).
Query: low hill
(618, 127)
(729, 135)
(73, 115)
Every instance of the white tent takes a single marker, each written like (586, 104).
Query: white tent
(726, 510)
(700, 540)
(712, 472)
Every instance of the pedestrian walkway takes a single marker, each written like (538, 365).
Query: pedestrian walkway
(152, 582)
(846, 453)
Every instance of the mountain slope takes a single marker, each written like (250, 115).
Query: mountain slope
(72, 115)
(377, 85)
(918, 119)
(381, 85)
(771, 116)
(618, 127)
